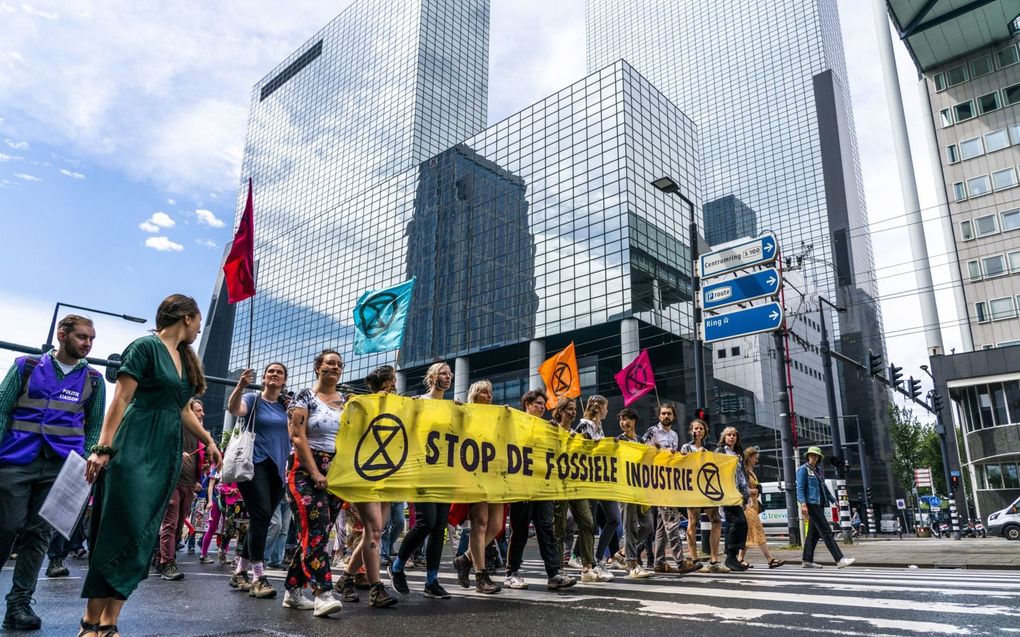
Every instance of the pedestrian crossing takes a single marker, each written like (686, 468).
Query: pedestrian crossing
(855, 600)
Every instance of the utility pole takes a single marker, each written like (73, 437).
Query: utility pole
(830, 400)
(699, 363)
(786, 440)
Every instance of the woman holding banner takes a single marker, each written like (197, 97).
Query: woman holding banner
(736, 523)
(638, 521)
(698, 432)
(486, 520)
(430, 517)
(373, 517)
(590, 426)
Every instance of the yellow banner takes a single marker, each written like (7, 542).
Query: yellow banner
(392, 448)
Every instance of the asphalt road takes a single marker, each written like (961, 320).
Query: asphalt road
(780, 602)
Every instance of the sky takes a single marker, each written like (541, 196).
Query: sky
(122, 129)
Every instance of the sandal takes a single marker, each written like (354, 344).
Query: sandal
(774, 563)
(109, 631)
(746, 565)
(86, 628)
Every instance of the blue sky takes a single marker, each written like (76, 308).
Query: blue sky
(122, 127)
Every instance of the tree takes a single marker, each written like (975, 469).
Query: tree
(915, 446)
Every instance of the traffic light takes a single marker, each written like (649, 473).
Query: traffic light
(954, 481)
(875, 366)
(913, 388)
(868, 491)
(111, 370)
(937, 402)
(895, 376)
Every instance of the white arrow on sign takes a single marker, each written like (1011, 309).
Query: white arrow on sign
(771, 280)
(773, 315)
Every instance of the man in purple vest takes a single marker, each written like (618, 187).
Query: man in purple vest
(50, 405)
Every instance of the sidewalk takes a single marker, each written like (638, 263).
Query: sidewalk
(980, 553)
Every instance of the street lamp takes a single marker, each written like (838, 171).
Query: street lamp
(671, 187)
(940, 429)
(48, 345)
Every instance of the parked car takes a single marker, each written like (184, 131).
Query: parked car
(1006, 522)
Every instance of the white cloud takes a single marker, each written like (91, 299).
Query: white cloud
(206, 243)
(207, 218)
(27, 177)
(171, 202)
(6, 157)
(163, 244)
(162, 220)
(71, 174)
(148, 227)
(30, 10)
(16, 145)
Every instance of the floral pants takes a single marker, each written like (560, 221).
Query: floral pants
(316, 510)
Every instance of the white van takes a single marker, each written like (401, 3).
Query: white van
(1006, 522)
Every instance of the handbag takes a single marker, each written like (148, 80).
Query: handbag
(239, 457)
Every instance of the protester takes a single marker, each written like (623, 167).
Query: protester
(180, 500)
(638, 522)
(373, 515)
(50, 405)
(430, 517)
(698, 433)
(667, 525)
(135, 465)
(539, 513)
(486, 520)
(387, 384)
(314, 419)
(814, 497)
(262, 494)
(213, 520)
(752, 511)
(276, 537)
(590, 426)
(736, 523)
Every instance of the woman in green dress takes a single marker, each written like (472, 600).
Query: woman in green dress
(135, 465)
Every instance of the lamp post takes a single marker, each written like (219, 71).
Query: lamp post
(670, 187)
(48, 344)
(940, 429)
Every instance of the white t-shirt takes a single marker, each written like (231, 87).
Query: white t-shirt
(323, 420)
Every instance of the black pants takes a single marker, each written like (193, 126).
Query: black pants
(818, 527)
(23, 489)
(429, 521)
(262, 494)
(522, 514)
(736, 530)
(61, 548)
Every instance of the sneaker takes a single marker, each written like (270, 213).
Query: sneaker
(687, 566)
(348, 592)
(638, 572)
(221, 556)
(435, 591)
(325, 604)
(463, 566)
(734, 564)
(398, 581)
(296, 599)
(240, 581)
(665, 568)
(603, 574)
(261, 589)
(205, 559)
(719, 567)
(20, 616)
(484, 583)
(575, 563)
(379, 597)
(618, 563)
(810, 565)
(56, 568)
(589, 575)
(515, 581)
(703, 567)
(418, 562)
(560, 581)
(170, 572)
(845, 562)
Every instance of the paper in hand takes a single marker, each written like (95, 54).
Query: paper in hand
(67, 497)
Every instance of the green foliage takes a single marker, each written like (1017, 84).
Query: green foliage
(915, 445)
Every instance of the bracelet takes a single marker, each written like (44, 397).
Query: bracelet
(103, 450)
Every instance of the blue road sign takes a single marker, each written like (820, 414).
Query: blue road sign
(743, 288)
(758, 251)
(762, 318)
(935, 501)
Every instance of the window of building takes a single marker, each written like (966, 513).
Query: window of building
(980, 185)
(946, 116)
(966, 230)
(996, 140)
(993, 266)
(1010, 479)
(994, 475)
(974, 270)
(939, 80)
(1005, 178)
(722, 353)
(989, 102)
(957, 75)
(1011, 94)
(1010, 220)
(1001, 308)
(1006, 57)
(981, 66)
(959, 191)
(985, 225)
(952, 154)
(1014, 261)
(964, 111)
(734, 351)
(999, 403)
(971, 148)
(981, 311)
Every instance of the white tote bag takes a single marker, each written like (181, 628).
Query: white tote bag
(239, 457)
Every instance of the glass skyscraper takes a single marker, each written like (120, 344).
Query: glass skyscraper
(766, 84)
(372, 163)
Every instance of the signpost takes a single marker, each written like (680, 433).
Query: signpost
(758, 251)
(922, 478)
(741, 289)
(753, 320)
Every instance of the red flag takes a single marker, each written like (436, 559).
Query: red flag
(637, 379)
(239, 269)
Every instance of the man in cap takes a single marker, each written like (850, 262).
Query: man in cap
(814, 497)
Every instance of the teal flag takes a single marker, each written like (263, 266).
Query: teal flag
(380, 317)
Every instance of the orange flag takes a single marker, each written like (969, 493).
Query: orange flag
(561, 376)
